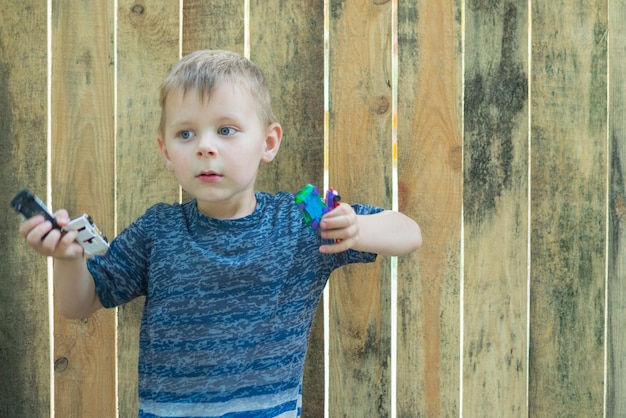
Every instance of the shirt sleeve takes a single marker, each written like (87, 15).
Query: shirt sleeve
(354, 256)
(121, 273)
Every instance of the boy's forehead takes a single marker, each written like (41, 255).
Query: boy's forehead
(229, 98)
(239, 93)
(205, 93)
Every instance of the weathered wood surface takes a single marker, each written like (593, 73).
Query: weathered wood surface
(616, 280)
(495, 206)
(429, 190)
(568, 207)
(24, 306)
(360, 168)
(213, 25)
(142, 180)
(82, 155)
(295, 74)
(510, 190)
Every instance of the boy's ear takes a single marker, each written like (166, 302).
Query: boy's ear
(272, 142)
(164, 153)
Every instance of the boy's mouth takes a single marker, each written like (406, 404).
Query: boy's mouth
(208, 175)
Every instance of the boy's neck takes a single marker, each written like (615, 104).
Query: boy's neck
(229, 210)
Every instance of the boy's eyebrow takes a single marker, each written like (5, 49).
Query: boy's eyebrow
(179, 122)
(230, 117)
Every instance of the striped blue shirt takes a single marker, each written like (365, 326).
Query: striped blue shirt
(229, 305)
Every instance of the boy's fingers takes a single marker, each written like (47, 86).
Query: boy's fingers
(61, 244)
(338, 247)
(68, 247)
(62, 217)
(69, 237)
(338, 240)
(51, 241)
(35, 234)
(340, 217)
(342, 231)
(29, 224)
(335, 222)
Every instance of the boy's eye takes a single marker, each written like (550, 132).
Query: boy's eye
(226, 131)
(186, 135)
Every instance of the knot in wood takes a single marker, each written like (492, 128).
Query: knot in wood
(60, 364)
(380, 105)
(138, 9)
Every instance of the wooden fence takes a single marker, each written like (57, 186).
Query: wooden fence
(500, 126)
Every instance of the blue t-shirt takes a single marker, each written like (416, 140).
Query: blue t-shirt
(229, 305)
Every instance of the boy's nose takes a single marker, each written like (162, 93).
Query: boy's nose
(206, 147)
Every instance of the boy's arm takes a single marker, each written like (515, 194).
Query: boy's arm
(74, 287)
(386, 233)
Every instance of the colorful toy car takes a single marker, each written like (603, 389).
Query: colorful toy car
(313, 208)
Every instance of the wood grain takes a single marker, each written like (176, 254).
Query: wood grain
(83, 182)
(24, 308)
(616, 281)
(213, 25)
(360, 168)
(495, 198)
(142, 180)
(430, 191)
(285, 42)
(568, 204)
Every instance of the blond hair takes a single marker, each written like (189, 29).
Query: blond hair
(204, 70)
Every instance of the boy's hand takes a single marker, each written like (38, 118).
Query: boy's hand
(50, 241)
(340, 224)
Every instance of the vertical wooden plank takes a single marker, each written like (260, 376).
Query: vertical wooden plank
(616, 336)
(286, 42)
(360, 168)
(216, 24)
(82, 182)
(24, 329)
(568, 195)
(495, 206)
(142, 180)
(430, 191)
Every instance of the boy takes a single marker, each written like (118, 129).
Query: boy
(232, 279)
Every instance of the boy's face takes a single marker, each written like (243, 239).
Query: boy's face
(215, 147)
